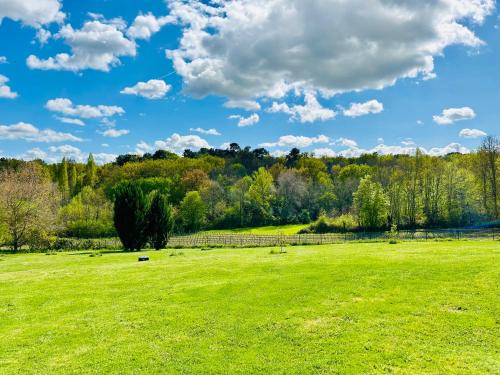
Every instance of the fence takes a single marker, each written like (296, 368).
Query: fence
(242, 240)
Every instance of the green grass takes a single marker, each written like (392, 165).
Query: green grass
(408, 308)
(279, 229)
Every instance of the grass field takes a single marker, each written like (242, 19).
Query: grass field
(411, 308)
(280, 229)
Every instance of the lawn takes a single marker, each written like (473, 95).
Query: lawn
(271, 230)
(421, 307)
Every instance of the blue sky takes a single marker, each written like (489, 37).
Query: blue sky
(330, 77)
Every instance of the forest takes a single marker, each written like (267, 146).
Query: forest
(243, 187)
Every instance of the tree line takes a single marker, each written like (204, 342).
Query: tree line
(243, 187)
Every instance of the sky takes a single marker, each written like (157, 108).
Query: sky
(330, 77)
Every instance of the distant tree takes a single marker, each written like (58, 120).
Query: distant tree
(28, 204)
(89, 214)
(160, 220)
(63, 179)
(260, 194)
(73, 179)
(371, 204)
(130, 216)
(489, 152)
(90, 172)
(292, 158)
(239, 190)
(192, 212)
(292, 191)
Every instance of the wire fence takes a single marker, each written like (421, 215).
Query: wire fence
(255, 240)
(242, 240)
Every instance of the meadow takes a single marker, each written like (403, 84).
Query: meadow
(415, 307)
(288, 229)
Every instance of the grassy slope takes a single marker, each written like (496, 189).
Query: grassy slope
(353, 308)
(279, 229)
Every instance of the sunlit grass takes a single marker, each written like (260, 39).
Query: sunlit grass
(427, 307)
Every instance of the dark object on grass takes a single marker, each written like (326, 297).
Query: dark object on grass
(143, 259)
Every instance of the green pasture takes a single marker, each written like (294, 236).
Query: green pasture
(409, 308)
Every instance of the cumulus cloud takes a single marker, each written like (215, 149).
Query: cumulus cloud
(249, 105)
(104, 158)
(66, 107)
(145, 25)
(152, 89)
(383, 149)
(223, 50)
(32, 12)
(311, 111)
(324, 152)
(205, 131)
(30, 133)
(451, 115)
(296, 141)
(471, 133)
(246, 121)
(3, 60)
(5, 90)
(178, 143)
(66, 150)
(115, 133)
(346, 142)
(34, 153)
(98, 45)
(142, 148)
(71, 121)
(363, 109)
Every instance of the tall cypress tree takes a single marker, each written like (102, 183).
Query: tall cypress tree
(63, 178)
(72, 179)
(130, 216)
(160, 220)
(90, 172)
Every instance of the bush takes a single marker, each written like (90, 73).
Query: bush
(130, 216)
(160, 221)
(343, 223)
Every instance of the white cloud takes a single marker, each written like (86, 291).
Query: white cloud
(104, 158)
(178, 143)
(246, 121)
(451, 148)
(104, 145)
(408, 142)
(471, 133)
(3, 60)
(115, 133)
(152, 89)
(346, 142)
(32, 12)
(363, 109)
(30, 133)
(43, 35)
(380, 140)
(145, 25)
(143, 147)
(5, 90)
(324, 152)
(72, 121)
(66, 107)
(34, 153)
(98, 45)
(451, 115)
(420, 122)
(205, 131)
(383, 149)
(296, 141)
(249, 105)
(310, 112)
(67, 150)
(334, 45)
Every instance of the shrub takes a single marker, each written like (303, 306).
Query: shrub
(160, 221)
(343, 223)
(130, 216)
